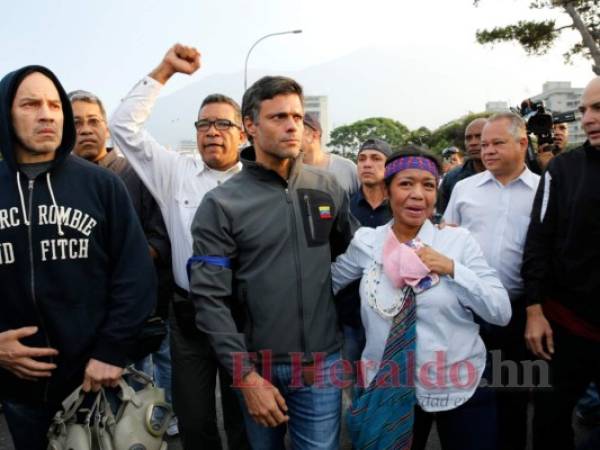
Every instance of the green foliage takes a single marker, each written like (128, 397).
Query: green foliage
(537, 37)
(420, 136)
(452, 133)
(346, 139)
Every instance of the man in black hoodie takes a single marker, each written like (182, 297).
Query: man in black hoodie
(76, 274)
(562, 279)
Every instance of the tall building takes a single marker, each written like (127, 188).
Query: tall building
(317, 104)
(559, 96)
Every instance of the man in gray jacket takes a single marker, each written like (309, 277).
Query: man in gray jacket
(260, 276)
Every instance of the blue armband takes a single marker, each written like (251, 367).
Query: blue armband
(220, 261)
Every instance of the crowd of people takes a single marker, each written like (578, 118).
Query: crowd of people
(294, 276)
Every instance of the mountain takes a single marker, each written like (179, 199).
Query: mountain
(366, 83)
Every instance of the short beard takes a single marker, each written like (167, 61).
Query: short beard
(20, 148)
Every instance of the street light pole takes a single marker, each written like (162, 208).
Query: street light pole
(254, 45)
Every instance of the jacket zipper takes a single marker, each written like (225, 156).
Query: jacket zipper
(311, 225)
(298, 276)
(32, 279)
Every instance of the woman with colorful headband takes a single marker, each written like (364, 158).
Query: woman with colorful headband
(420, 288)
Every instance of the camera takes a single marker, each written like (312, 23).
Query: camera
(540, 123)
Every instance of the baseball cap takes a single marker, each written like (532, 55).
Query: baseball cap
(449, 151)
(312, 121)
(376, 144)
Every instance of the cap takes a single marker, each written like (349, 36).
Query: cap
(449, 151)
(312, 121)
(376, 144)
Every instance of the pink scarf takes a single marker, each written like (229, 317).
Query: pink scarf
(402, 265)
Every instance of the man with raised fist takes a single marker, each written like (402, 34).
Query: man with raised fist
(179, 183)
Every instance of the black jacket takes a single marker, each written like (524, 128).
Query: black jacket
(280, 238)
(74, 260)
(562, 250)
(450, 179)
(152, 222)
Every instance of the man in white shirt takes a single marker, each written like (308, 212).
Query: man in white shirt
(178, 183)
(495, 206)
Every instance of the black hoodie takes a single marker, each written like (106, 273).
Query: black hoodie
(73, 258)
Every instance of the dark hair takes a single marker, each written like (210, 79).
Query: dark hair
(220, 98)
(87, 97)
(412, 150)
(265, 89)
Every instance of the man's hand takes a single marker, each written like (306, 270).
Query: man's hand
(153, 253)
(98, 374)
(179, 59)
(436, 262)
(538, 332)
(264, 402)
(544, 156)
(19, 359)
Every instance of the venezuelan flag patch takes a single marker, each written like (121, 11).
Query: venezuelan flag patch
(325, 212)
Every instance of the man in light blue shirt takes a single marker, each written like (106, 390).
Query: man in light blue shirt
(495, 206)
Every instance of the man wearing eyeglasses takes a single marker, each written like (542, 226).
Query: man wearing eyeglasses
(179, 183)
(91, 137)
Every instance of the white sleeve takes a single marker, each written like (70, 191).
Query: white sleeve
(451, 215)
(153, 163)
(478, 287)
(349, 265)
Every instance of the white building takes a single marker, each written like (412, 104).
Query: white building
(317, 104)
(188, 148)
(559, 96)
(496, 107)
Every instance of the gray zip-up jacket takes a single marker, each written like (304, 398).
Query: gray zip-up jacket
(274, 242)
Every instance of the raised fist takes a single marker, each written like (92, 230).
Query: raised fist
(179, 59)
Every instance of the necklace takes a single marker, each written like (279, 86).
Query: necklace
(372, 281)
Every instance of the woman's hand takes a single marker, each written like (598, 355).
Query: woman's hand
(436, 262)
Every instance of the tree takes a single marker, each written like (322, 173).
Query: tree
(346, 139)
(421, 136)
(452, 133)
(537, 37)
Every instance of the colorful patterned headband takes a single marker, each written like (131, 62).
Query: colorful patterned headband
(411, 162)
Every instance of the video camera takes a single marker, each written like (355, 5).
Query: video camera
(540, 123)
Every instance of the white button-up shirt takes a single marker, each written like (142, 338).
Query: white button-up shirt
(450, 355)
(498, 217)
(177, 182)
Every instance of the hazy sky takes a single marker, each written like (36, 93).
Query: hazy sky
(106, 46)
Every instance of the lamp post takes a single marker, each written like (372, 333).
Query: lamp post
(254, 45)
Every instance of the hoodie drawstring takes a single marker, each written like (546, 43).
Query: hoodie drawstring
(58, 216)
(23, 209)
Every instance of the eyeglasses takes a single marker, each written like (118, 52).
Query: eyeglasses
(220, 125)
(92, 122)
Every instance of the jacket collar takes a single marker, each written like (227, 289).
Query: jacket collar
(110, 157)
(590, 148)
(248, 158)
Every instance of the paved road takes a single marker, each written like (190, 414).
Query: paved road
(175, 444)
